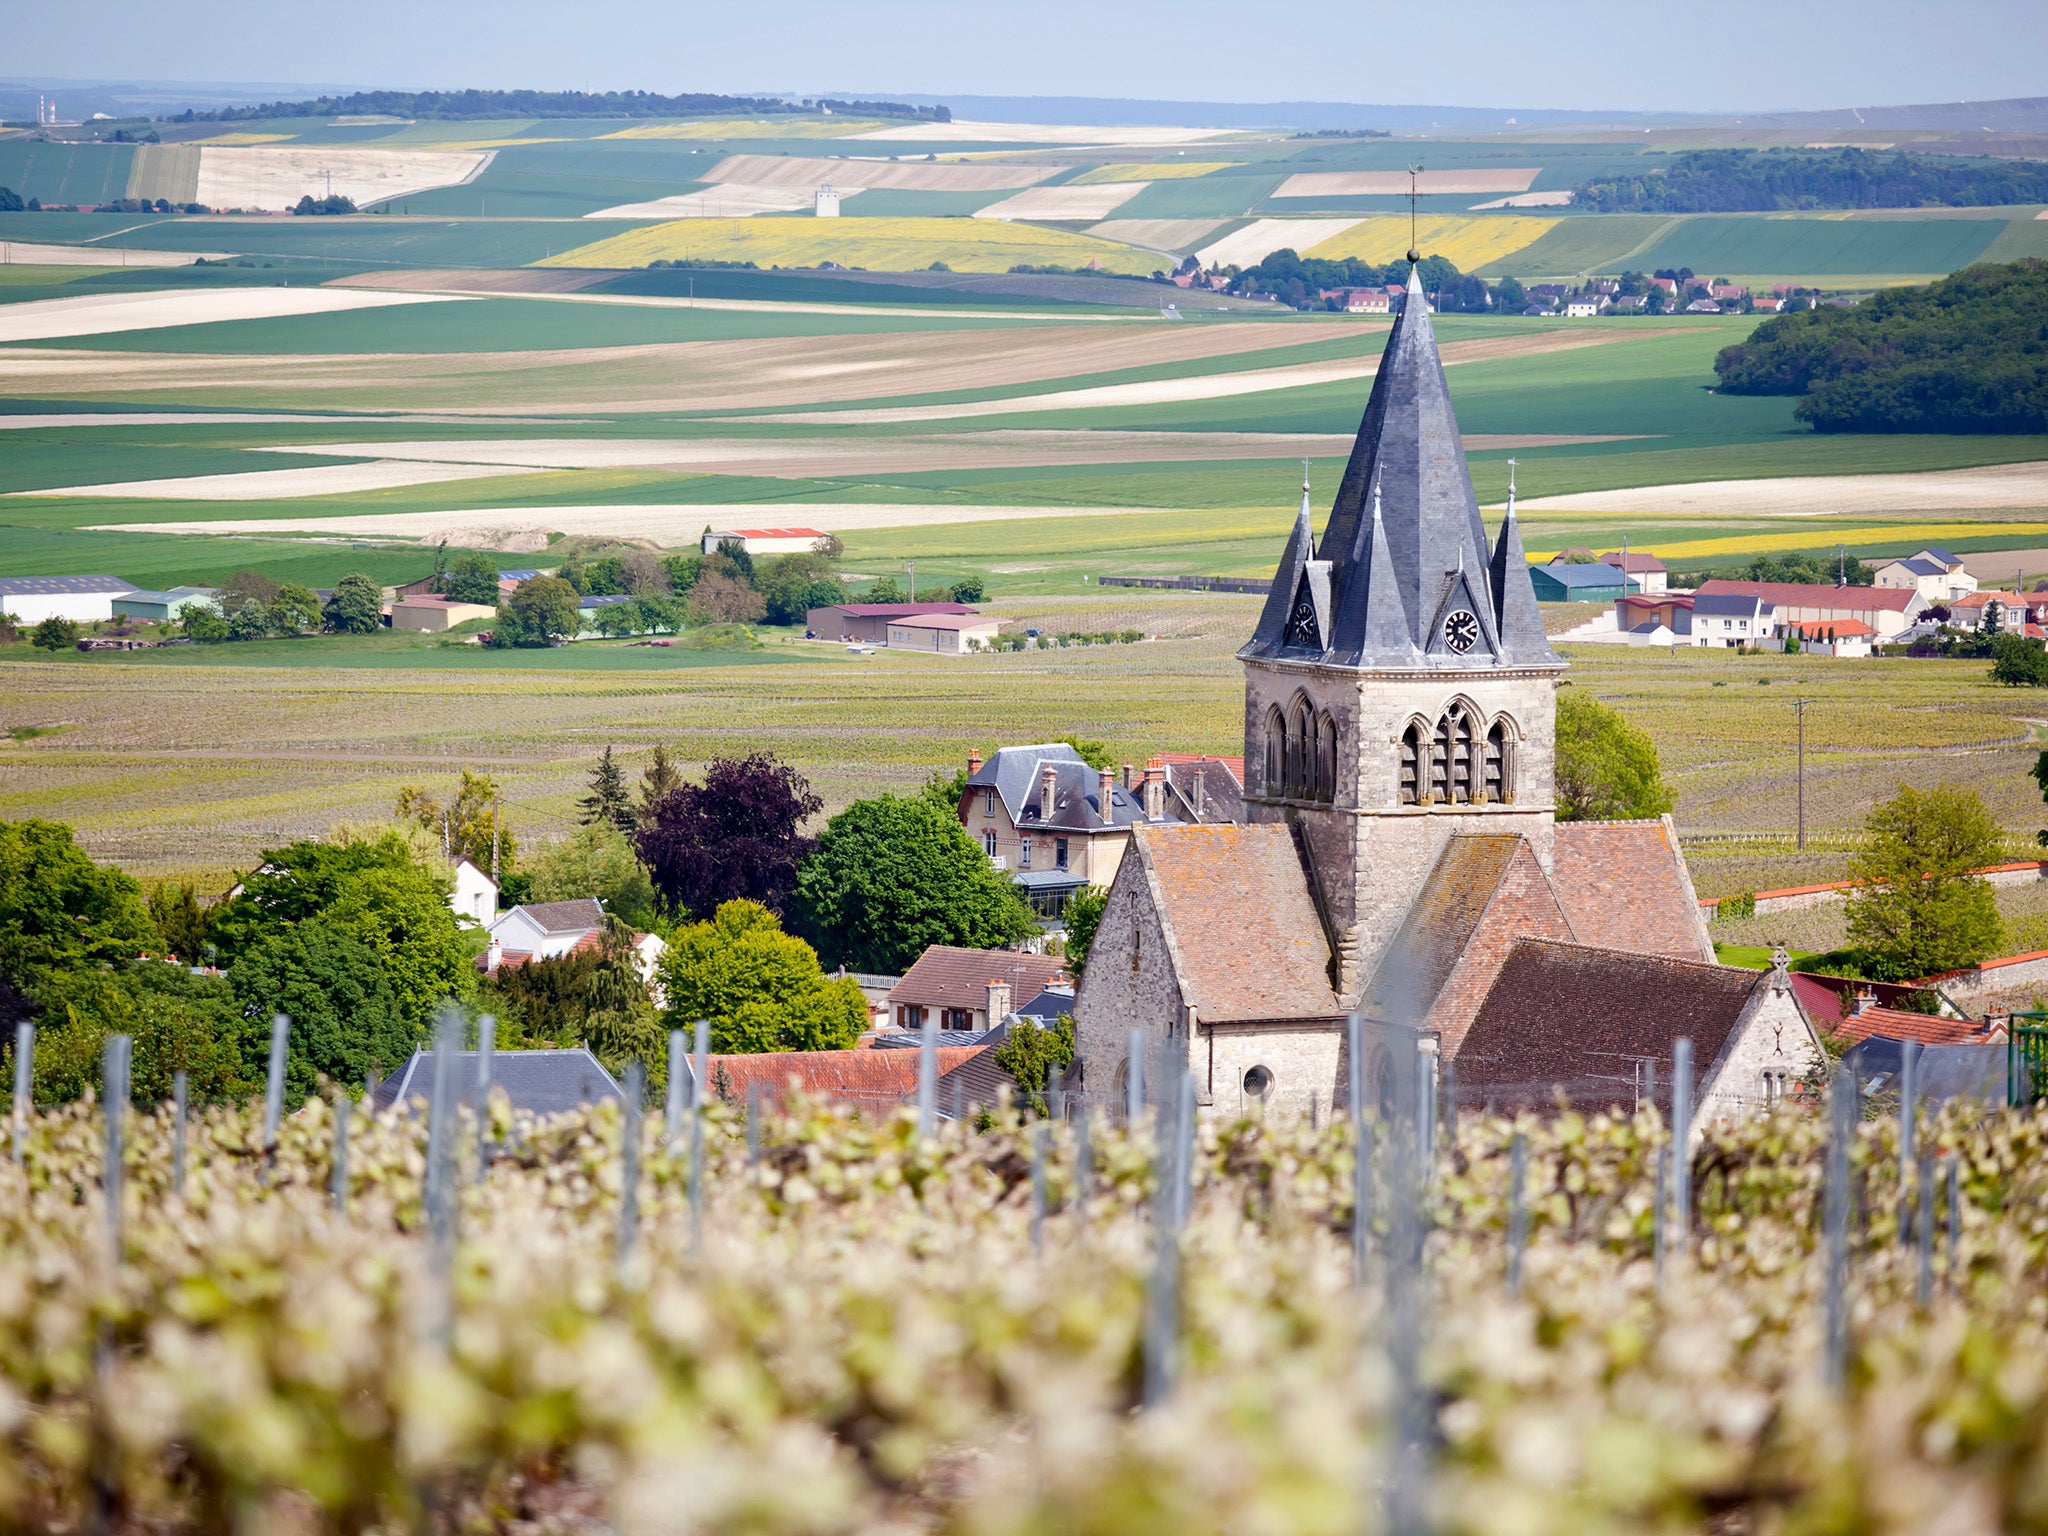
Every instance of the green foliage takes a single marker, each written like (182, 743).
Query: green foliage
(58, 909)
(347, 1017)
(1095, 754)
(659, 779)
(356, 608)
(181, 923)
(890, 877)
(472, 824)
(884, 591)
(790, 585)
(1766, 181)
(1966, 354)
(720, 598)
(1084, 915)
(1741, 904)
(2018, 662)
(471, 105)
(55, 634)
(1035, 1056)
(543, 611)
(762, 989)
(473, 578)
(1918, 910)
(970, 589)
(549, 999)
(607, 801)
(294, 610)
(683, 571)
(596, 861)
(332, 203)
(1607, 769)
(176, 1022)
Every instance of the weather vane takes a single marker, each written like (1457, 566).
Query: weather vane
(1414, 254)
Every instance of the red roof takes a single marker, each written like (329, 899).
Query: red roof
(871, 1077)
(1234, 764)
(1800, 594)
(1841, 629)
(775, 533)
(898, 610)
(1898, 1024)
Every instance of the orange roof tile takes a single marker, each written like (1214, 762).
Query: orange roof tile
(1623, 885)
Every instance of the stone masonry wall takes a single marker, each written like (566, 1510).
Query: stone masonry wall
(1773, 1037)
(1128, 983)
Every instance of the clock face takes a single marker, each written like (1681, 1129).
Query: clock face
(1301, 624)
(1461, 631)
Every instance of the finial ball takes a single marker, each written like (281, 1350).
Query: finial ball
(1413, 254)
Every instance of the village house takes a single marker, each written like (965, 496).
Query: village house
(1935, 574)
(1584, 305)
(475, 897)
(1645, 571)
(1843, 637)
(1401, 835)
(968, 989)
(547, 930)
(1731, 619)
(1889, 611)
(1988, 610)
(1054, 824)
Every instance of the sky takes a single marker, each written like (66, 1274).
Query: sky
(1727, 56)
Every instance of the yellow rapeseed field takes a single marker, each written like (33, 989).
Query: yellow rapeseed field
(889, 245)
(1164, 170)
(752, 128)
(1469, 240)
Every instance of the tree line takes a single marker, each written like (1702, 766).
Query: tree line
(462, 105)
(1966, 354)
(1764, 181)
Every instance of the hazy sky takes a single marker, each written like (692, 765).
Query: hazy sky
(1727, 55)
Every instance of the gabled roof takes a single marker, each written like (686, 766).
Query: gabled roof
(1403, 535)
(1017, 776)
(947, 976)
(1715, 605)
(1799, 594)
(1204, 789)
(1624, 885)
(894, 610)
(871, 1079)
(57, 586)
(541, 1082)
(562, 916)
(1436, 929)
(1241, 925)
(1899, 1024)
(1580, 1019)
(1948, 560)
(1637, 561)
(1918, 566)
(950, 621)
(1597, 575)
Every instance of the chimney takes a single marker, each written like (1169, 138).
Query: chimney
(1127, 775)
(1048, 791)
(973, 761)
(1865, 1000)
(1201, 809)
(998, 1002)
(1155, 791)
(1105, 792)
(494, 953)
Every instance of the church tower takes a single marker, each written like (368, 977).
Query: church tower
(1399, 688)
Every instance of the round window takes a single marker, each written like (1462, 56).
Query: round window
(1258, 1081)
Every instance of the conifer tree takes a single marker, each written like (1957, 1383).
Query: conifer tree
(658, 779)
(607, 800)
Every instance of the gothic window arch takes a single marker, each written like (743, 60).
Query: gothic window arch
(1414, 758)
(1456, 768)
(1301, 752)
(1499, 768)
(1326, 760)
(1276, 752)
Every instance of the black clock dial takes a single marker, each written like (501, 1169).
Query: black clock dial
(1461, 631)
(1301, 624)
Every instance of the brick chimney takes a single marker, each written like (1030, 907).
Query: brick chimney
(1155, 790)
(1105, 793)
(1864, 1001)
(1127, 775)
(998, 1002)
(1048, 791)
(973, 761)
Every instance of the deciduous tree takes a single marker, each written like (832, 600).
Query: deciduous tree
(357, 606)
(1084, 915)
(472, 824)
(540, 612)
(473, 578)
(734, 836)
(1607, 769)
(1036, 1056)
(762, 989)
(891, 877)
(58, 909)
(1918, 909)
(721, 599)
(55, 634)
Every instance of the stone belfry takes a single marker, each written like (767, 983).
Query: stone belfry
(1399, 688)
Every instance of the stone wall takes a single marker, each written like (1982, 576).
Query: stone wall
(1303, 1059)
(1772, 1037)
(1128, 983)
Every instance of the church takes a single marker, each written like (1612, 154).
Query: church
(1400, 844)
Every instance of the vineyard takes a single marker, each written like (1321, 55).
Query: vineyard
(839, 1324)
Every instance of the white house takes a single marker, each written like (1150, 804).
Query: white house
(825, 202)
(475, 898)
(1723, 620)
(1935, 574)
(544, 930)
(1585, 305)
(85, 599)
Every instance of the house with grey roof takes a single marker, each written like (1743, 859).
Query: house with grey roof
(82, 599)
(1934, 573)
(1727, 620)
(550, 1082)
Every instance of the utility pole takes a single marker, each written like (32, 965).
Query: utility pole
(911, 567)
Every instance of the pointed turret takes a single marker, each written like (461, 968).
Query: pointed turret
(1516, 616)
(1405, 543)
(1274, 626)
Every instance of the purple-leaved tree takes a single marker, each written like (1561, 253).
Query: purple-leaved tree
(734, 835)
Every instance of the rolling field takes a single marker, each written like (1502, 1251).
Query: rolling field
(886, 243)
(176, 767)
(1471, 242)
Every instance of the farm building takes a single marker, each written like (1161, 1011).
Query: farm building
(1646, 571)
(869, 622)
(84, 599)
(825, 202)
(161, 607)
(765, 541)
(431, 615)
(948, 634)
(1671, 610)
(1578, 583)
(591, 607)
(508, 582)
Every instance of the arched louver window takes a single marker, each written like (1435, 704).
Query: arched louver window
(1326, 760)
(1500, 763)
(1440, 763)
(1276, 753)
(1411, 764)
(1301, 753)
(1460, 736)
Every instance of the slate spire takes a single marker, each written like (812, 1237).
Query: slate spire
(1516, 615)
(1405, 550)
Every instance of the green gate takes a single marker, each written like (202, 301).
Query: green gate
(2026, 1060)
